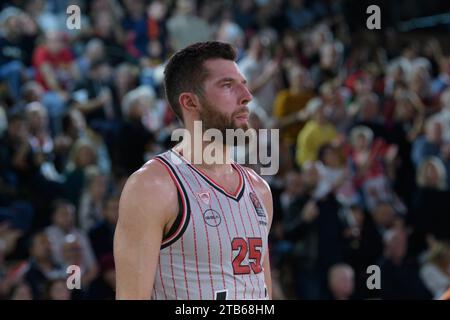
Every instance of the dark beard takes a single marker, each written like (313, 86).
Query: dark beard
(213, 119)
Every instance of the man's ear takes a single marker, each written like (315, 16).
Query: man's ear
(189, 101)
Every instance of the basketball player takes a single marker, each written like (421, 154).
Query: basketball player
(196, 231)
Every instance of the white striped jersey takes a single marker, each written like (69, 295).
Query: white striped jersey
(216, 247)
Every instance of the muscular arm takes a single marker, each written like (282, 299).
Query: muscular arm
(263, 190)
(143, 218)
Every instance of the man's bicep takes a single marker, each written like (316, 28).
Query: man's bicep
(137, 243)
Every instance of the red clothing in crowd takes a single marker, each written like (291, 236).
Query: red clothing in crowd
(60, 63)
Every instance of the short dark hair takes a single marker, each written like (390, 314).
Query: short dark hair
(185, 70)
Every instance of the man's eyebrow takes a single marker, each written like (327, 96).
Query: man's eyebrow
(229, 79)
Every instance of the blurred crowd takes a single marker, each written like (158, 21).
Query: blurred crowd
(364, 122)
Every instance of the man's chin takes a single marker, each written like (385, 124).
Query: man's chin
(242, 125)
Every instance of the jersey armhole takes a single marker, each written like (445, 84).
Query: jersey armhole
(182, 220)
(173, 229)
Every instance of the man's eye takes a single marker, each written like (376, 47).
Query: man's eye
(227, 85)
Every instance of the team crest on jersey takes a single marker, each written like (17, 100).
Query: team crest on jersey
(258, 207)
(212, 218)
(204, 196)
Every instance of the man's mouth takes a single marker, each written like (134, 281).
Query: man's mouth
(242, 116)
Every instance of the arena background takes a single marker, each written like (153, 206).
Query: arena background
(364, 119)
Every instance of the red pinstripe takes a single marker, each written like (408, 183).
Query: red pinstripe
(162, 282)
(261, 290)
(229, 236)
(253, 233)
(209, 253)
(245, 230)
(207, 239)
(235, 228)
(173, 277)
(184, 268)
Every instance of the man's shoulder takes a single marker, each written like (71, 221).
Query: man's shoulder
(143, 192)
(257, 180)
(152, 179)
(152, 175)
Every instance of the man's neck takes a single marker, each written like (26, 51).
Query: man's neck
(209, 156)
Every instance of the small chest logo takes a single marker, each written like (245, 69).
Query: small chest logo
(204, 196)
(212, 218)
(258, 207)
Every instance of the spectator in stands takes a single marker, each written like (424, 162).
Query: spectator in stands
(368, 114)
(341, 282)
(334, 176)
(430, 207)
(293, 188)
(435, 273)
(298, 14)
(57, 72)
(262, 73)
(41, 265)
(94, 51)
(185, 27)
(17, 40)
(443, 116)
(290, 103)
(108, 29)
(385, 217)
(126, 78)
(75, 129)
(82, 157)
(41, 142)
(63, 232)
(136, 141)
(334, 98)
(317, 232)
(104, 287)
(157, 47)
(430, 144)
(420, 85)
(364, 245)
(73, 253)
(102, 234)
(371, 161)
(400, 274)
(135, 26)
(442, 81)
(92, 198)
(316, 132)
(94, 98)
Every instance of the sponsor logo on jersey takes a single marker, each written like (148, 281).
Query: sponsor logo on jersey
(212, 218)
(204, 196)
(258, 207)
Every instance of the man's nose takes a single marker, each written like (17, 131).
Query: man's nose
(246, 95)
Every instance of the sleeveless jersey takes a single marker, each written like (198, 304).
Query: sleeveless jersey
(216, 247)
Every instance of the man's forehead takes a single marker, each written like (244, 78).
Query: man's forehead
(222, 68)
